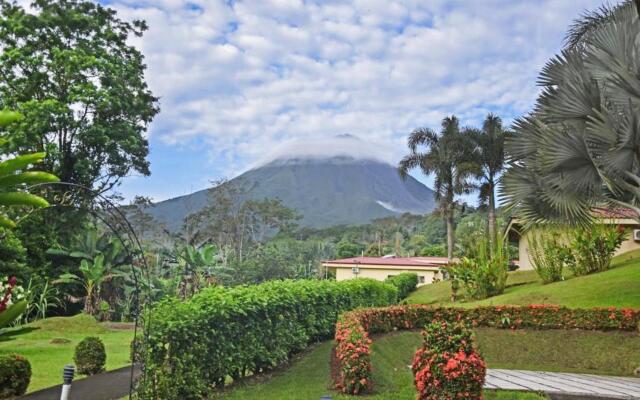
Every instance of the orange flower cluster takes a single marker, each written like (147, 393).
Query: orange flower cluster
(353, 355)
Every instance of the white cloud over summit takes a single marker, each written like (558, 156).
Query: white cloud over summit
(243, 77)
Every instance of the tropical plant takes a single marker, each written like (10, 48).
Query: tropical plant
(92, 275)
(489, 148)
(549, 252)
(41, 297)
(448, 157)
(13, 175)
(484, 275)
(579, 147)
(593, 247)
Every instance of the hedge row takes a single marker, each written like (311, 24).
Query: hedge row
(381, 320)
(222, 333)
(405, 282)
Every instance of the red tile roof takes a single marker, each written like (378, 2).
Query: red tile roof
(393, 261)
(615, 213)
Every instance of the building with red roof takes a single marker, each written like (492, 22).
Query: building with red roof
(428, 269)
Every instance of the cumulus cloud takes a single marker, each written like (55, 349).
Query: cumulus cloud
(246, 76)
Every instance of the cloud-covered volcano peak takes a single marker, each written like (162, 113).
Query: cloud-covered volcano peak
(344, 147)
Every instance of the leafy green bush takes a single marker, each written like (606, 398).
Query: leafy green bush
(549, 253)
(90, 356)
(232, 332)
(484, 275)
(593, 247)
(15, 375)
(405, 282)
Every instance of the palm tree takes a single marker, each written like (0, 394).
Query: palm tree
(489, 148)
(580, 147)
(448, 157)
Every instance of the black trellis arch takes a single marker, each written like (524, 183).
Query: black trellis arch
(73, 196)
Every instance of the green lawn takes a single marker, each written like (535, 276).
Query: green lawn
(34, 341)
(617, 287)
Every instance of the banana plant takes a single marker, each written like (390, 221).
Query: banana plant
(92, 275)
(13, 175)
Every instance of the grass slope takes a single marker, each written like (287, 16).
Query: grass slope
(47, 359)
(617, 287)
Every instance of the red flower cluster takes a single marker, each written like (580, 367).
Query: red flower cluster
(448, 365)
(353, 355)
(13, 281)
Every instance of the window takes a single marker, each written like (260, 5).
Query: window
(421, 279)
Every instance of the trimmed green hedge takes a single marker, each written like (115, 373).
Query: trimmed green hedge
(405, 282)
(222, 333)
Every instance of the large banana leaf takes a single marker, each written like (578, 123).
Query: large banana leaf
(22, 199)
(29, 178)
(7, 117)
(20, 162)
(12, 313)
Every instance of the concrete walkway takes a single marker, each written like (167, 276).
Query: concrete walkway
(110, 385)
(564, 385)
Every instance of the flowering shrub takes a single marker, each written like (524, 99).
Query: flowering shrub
(593, 247)
(448, 365)
(223, 333)
(353, 355)
(10, 291)
(12, 302)
(535, 316)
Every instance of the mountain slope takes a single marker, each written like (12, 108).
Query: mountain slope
(325, 191)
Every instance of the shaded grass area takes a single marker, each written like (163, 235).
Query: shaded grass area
(47, 358)
(617, 287)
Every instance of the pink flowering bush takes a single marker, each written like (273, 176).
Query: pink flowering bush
(448, 365)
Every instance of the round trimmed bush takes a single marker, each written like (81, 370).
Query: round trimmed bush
(448, 365)
(15, 375)
(90, 356)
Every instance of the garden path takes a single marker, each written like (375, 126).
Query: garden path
(566, 384)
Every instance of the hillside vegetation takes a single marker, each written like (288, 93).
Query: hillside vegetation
(617, 287)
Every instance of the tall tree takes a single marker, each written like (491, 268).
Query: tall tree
(67, 66)
(448, 156)
(579, 148)
(489, 149)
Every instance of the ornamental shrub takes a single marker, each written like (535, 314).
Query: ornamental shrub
(484, 275)
(593, 247)
(353, 357)
(549, 253)
(15, 375)
(448, 366)
(90, 356)
(220, 332)
(405, 282)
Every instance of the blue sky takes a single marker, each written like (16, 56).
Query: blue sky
(237, 79)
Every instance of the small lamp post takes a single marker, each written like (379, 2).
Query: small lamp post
(67, 376)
